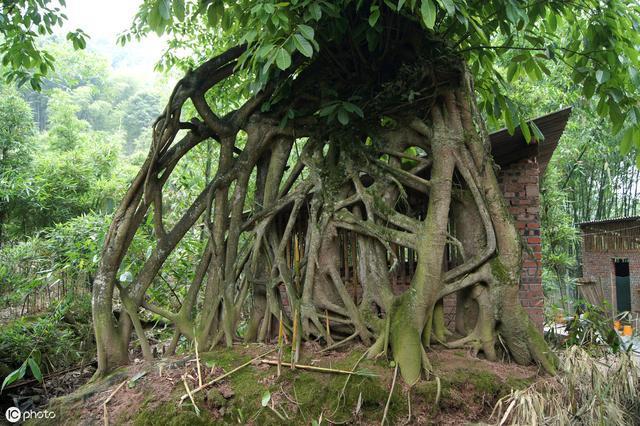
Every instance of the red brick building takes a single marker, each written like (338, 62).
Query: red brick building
(611, 260)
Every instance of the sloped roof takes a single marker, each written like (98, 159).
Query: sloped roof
(611, 220)
(507, 149)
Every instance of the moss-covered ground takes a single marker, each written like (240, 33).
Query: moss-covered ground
(469, 388)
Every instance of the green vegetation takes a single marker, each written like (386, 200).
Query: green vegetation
(67, 155)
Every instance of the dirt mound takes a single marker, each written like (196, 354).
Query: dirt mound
(149, 394)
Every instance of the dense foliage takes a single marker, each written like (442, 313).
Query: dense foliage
(67, 153)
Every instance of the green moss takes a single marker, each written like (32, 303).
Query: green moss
(170, 415)
(215, 399)
(499, 271)
(515, 384)
(485, 382)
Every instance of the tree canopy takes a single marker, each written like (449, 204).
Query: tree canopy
(23, 23)
(591, 38)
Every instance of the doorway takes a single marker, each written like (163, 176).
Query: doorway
(623, 287)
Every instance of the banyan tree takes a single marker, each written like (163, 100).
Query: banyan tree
(359, 130)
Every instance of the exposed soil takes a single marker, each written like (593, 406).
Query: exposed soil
(469, 388)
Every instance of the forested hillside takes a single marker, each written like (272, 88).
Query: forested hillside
(68, 153)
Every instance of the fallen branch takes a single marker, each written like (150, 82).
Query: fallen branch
(321, 369)
(106, 401)
(227, 374)
(393, 385)
(198, 363)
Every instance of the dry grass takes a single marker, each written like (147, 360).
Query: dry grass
(588, 391)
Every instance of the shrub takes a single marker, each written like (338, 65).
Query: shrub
(63, 336)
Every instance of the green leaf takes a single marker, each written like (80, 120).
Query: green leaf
(212, 15)
(35, 369)
(14, 376)
(627, 141)
(526, 132)
(588, 88)
(602, 76)
(343, 117)
(537, 134)
(164, 7)
(511, 71)
(616, 116)
(283, 59)
(315, 11)
(374, 15)
(552, 21)
(449, 5)
(178, 9)
(306, 31)
(266, 397)
(303, 45)
(353, 108)
(428, 12)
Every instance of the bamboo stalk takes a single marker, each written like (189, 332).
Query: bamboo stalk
(335, 345)
(195, 341)
(186, 386)
(393, 385)
(315, 368)
(326, 317)
(354, 261)
(106, 401)
(227, 374)
(294, 340)
(280, 332)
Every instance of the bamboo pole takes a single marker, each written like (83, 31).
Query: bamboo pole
(315, 368)
(326, 317)
(393, 385)
(227, 374)
(280, 332)
(294, 340)
(106, 401)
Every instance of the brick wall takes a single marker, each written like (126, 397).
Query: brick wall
(521, 188)
(598, 266)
